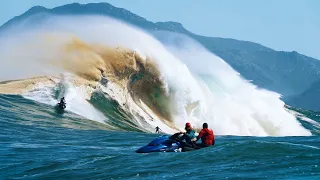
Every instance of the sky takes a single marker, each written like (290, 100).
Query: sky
(286, 25)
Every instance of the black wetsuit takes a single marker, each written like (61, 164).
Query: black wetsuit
(62, 104)
(186, 146)
(158, 130)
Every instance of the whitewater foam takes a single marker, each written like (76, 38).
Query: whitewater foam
(199, 86)
(235, 106)
(76, 98)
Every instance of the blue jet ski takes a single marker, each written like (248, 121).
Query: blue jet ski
(161, 144)
(167, 144)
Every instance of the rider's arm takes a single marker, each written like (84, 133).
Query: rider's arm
(175, 136)
(200, 135)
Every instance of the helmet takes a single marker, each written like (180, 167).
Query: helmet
(188, 124)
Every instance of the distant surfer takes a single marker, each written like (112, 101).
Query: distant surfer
(62, 103)
(158, 129)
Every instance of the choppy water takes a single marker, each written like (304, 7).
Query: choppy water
(38, 143)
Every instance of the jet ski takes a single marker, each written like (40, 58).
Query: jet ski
(161, 144)
(61, 106)
(166, 143)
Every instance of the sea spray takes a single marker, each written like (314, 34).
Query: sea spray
(195, 85)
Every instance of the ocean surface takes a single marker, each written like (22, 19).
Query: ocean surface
(119, 83)
(39, 143)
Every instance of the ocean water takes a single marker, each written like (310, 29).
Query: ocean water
(38, 143)
(120, 83)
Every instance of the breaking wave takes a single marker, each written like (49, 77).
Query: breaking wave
(121, 76)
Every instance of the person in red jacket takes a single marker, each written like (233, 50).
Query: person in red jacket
(206, 135)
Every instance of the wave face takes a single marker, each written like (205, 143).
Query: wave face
(111, 72)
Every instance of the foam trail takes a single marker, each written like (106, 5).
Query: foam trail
(304, 118)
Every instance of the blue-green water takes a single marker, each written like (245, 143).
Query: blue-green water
(38, 143)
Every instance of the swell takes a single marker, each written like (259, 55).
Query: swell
(122, 77)
(139, 78)
(24, 115)
(94, 67)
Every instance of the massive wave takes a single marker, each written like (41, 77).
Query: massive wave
(123, 77)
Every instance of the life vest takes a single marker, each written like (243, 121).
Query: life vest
(207, 136)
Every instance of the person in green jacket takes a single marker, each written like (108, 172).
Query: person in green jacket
(186, 138)
(189, 136)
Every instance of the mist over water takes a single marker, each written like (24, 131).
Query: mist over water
(176, 81)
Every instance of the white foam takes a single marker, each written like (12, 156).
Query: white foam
(75, 98)
(230, 104)
(304, 118)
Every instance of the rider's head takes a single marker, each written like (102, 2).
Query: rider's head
(188, 126)
(205, 125)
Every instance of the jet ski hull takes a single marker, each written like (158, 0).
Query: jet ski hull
(160, 144)
(168, 144)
